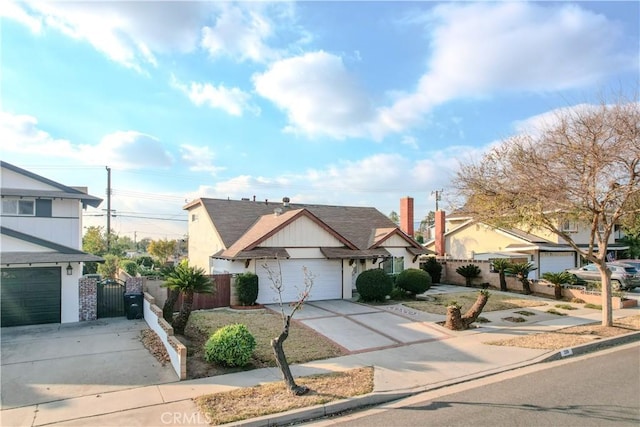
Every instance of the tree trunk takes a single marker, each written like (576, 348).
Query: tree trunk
(185, 311)
(607, 309)
(456, 322)
(503, 281)
(558, 291)
(167, 308)
(281, 360)
(525, 285)
(467, 281)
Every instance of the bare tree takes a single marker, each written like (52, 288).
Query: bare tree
(275, 277)
(581, 166)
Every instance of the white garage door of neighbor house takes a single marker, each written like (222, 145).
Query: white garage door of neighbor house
(327, 280)
(556, 262)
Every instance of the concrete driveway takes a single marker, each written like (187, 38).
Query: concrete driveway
(359, 327)
(46, 363)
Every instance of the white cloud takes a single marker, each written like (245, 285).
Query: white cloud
(318, 94)
(409, 140)
(122, 149)
(514, 47)
(232, 100)
(240, 31)
(129, 33)
(200, 159)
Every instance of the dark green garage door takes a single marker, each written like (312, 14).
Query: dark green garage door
(30, 296)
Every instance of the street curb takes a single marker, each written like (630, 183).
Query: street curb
(378, 398)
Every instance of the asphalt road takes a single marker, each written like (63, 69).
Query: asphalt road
(600, 389)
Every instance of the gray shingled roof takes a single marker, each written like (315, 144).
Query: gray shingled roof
(62, 192)
(233, 218)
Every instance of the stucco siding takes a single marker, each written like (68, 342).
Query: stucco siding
(204, 240)
(476, 238)
(394, 241)
(302, 232)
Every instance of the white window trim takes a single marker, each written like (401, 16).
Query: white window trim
(18, 202)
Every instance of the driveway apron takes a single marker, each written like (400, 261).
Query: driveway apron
(46, 363)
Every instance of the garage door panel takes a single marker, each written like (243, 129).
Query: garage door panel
(30, 296)
(556, 262)
(327, 280)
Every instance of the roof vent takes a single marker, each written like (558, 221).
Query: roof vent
(285, 202)
(277, 211)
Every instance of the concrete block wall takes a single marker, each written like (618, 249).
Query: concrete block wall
(176, 350)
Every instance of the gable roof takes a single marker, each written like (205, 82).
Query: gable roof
(59, 191)
(243, 224)
(56, 253)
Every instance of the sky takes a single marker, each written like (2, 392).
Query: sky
(325, 102)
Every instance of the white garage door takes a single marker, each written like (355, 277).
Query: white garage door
(556, 262)
(327, 280)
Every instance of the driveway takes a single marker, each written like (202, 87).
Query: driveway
(45, 363)
(360, 327)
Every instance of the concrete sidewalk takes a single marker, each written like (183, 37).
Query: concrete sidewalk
(399, 372)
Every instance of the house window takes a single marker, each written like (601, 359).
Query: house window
(569, 226)
(393, 265)
(194, 217)
(22, 207)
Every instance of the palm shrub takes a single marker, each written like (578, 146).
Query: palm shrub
(469, 272)
(374, 285)
(231, 345)
(247, 288)
(414, 281)
(558, 279)
(434, 268)
(187, 280)
(501, 265)
(521, 270)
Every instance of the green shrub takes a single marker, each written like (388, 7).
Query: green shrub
(469, 272)
(231, 345)
(398, 294)
(109, 269)
(146, 261)
(247, 288)
(374, 285)
(414, 281)
(130, 266)
(434, 268)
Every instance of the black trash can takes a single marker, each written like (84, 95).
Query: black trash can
(133, 305)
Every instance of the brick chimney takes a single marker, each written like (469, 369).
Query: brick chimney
(406, 215)
(439, 226)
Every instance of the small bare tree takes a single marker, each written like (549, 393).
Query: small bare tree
(582, 166)
(275, 277)
(457, 322)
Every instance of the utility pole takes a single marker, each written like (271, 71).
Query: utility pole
(438, 197)
(108, 208)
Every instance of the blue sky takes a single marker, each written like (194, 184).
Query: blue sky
(342, 103)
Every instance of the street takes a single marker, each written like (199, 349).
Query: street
(597, 389)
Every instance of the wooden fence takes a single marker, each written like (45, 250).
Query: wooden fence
(220, 298)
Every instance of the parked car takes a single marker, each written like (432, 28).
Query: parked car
(623, 276)
(632, 262)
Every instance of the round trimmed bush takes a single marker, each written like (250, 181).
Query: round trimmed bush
(130, 266)
(414, 281)
(231, 345)
(247, 288)
(374, 285)
(434, 268)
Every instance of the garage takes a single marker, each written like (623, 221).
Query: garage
(30, 296)
(556, 262)
(327, 280)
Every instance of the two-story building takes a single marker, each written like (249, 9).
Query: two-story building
(459, 236)
(41, 255)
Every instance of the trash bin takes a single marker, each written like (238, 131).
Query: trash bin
(133, 305)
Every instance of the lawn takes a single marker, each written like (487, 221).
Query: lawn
(302, 345)
(437, 304)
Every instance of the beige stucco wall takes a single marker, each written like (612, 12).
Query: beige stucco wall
(204, 240)
(476, 238)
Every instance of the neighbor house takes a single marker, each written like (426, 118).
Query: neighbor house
(459, 236)
(335, 244)
(41, 241)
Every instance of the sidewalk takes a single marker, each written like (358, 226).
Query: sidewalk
(399, 372)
